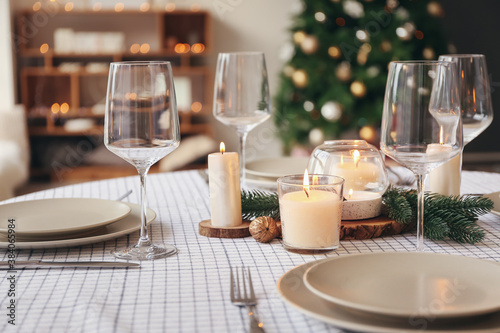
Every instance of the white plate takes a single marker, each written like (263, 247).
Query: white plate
(55, 217)
(128, 224)
(408, 284)
(295, 293)
(495, 197)
(275, 168)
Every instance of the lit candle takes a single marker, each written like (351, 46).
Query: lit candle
(356, 172)
(444, 179)
(360, 205)
(224, 183)
(310, 215)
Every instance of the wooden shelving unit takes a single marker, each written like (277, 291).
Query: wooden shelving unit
(181, 37)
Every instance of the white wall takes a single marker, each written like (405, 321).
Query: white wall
(6, 63)
(238, 25)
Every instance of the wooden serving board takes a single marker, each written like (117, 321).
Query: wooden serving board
(376, 227)
(205, 228)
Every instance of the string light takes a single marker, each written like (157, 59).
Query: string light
(196, 107)
(37, 5)
(197, 48)
(44, 48)
(144, 48)
(68, 6)
(119, 7)
(55, 108)
(64, 108)
(170, 7)
(135, 48)
(144, 7)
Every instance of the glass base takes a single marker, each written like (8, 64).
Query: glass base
(151, 252)
(308, 251)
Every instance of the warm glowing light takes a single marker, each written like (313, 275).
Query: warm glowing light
(197, 48)
(37, 5)
(195, 7)
(182, 48)
(356, 157)
(44, 48)
(196, 107)
(144, 7)
(55, 108)
(368, 133)
(97, 6)
(133, 96)
(261, 325)
(315, 180)
(306, 183)
(64, 108)
(68, 6)
(144, 48)
(119, 7)
(222, 147)
(334, 52)
(135, 48)
(350, 194)
(170, 7)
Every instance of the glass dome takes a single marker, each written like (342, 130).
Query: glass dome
(359, 163)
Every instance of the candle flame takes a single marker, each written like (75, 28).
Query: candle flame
(350, 194)
(306, 183)
(315, 180)
(222, 147)
(356, 157)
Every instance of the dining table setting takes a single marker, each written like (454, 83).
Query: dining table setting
(354, 237)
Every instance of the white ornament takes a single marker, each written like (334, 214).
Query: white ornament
(373, 71)
(332, 111)
(308, 106)
(354, 8)
(362, 35)
(316, 136)
(287, 51)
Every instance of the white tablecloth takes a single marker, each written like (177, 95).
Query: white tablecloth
(187, 292)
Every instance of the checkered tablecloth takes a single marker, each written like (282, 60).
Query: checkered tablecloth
(187, 292)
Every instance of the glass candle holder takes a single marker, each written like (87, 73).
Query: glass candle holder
(311, 210)
(362, 167)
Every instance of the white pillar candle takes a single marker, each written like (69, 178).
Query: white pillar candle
(446, 178)
(360, 205)
(310, 222)
(356, 172)
(224, 183)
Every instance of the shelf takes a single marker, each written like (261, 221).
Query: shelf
(34, 52)
(60, 131)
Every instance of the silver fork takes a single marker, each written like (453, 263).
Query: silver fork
(245, 298)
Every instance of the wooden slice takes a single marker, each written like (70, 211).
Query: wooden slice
(376, 227)
(206, 229)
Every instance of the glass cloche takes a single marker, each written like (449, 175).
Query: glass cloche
(359, 163)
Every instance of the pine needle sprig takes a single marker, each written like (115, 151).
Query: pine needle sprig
(257, 203)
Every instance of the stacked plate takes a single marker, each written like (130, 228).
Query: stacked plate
(263, 173)
(495, 197)
(398, 292)
(51, 223)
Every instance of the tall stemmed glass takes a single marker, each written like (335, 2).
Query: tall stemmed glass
(241, 95)
(475, 95)
(141, 125)
(421, 124)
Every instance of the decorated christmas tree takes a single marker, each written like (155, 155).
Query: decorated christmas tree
(333, 84)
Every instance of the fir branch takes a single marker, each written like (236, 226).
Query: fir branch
(256, 203)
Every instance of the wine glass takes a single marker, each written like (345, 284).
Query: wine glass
(475, 95)
(421, 123)
(241, 95)
(141, 125)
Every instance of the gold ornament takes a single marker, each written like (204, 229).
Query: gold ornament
(429, 53)
(264, 229)
(334, 52)
(368, 133)
(358, 89)
(435, 9)
(385, 46)
(288, 70)
(299, 36)
(309, 44)
(299, 78)
(343, 71)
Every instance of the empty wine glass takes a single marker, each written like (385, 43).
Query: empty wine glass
(141, 125)
(241, 95)
(421, 124)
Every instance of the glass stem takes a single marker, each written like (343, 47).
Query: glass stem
(243, 139)
(420, 211)
(144, 240)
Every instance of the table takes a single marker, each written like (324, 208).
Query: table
(187, 292)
